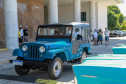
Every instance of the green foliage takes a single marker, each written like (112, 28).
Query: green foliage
(115, 18)
(42, 81)
(124, 25)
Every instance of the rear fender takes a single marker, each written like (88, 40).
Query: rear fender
(86, 48)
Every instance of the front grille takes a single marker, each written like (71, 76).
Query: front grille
(33, 52)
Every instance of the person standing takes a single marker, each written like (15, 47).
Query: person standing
(25, 34)
(107, 33)
(95, 35)
(19, 37)
(21, 32)
(100, 36)
(92, 38)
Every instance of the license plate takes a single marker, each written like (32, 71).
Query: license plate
(15, 62)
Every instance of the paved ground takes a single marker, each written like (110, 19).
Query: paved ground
(8, 75)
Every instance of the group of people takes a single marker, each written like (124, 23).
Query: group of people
(22, 34)
(98, 36)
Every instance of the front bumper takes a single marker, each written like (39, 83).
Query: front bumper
(31, 63)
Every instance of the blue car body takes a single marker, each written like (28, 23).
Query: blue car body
(119, 50)
(101, 69)
(63, 48)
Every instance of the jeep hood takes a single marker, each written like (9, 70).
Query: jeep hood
(50, 45)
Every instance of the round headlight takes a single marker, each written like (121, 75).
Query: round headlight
(42, 49)
(24, 48)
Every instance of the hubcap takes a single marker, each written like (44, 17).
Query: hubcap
(57, 68)
(23, 69)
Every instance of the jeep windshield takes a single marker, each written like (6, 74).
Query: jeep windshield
(55, 31)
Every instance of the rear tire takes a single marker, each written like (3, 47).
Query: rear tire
(83, 57)
(21, 70)
(55, 67)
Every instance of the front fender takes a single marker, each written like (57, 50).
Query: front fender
(17, 52)
(51, 53)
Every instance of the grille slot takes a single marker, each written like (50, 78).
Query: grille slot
(33, 52)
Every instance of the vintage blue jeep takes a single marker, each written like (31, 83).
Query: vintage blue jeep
(54, 45)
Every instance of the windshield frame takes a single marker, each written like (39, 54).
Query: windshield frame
(54, 37)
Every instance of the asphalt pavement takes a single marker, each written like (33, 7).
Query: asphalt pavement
(9, 76)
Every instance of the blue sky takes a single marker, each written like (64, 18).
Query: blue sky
(123, 7)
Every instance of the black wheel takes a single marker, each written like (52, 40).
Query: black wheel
(83, 57)
(21, 70)
(55, 67)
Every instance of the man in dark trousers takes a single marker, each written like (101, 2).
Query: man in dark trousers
(100, 36)
(25, 34)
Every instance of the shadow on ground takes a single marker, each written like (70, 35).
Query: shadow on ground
(10, 74)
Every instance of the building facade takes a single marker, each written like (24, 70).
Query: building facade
(32, 13)
(28, 13)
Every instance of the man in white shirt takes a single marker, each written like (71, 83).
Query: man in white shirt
(95, 35)
(76, 33)
(107, 33)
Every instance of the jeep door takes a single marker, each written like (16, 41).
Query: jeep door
(84, 34)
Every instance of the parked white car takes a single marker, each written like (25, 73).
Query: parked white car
(124, 32)
(121, 33)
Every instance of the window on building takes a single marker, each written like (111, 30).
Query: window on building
(83, 16)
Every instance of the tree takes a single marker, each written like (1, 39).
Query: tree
(124, 25)
(115, 18)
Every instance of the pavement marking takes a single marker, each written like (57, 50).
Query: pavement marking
(3, 49)
(4, 62)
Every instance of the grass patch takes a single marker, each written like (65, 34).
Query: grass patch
(43, 81)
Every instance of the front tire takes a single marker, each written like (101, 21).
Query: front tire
(21, 70)
(83, 57)
(55, 67)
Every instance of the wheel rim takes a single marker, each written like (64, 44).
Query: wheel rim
(23, 69)
(57, 68)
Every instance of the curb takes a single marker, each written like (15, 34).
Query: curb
(3, 49)
(4, 61)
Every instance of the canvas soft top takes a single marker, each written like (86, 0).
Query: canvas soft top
(73, 24)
